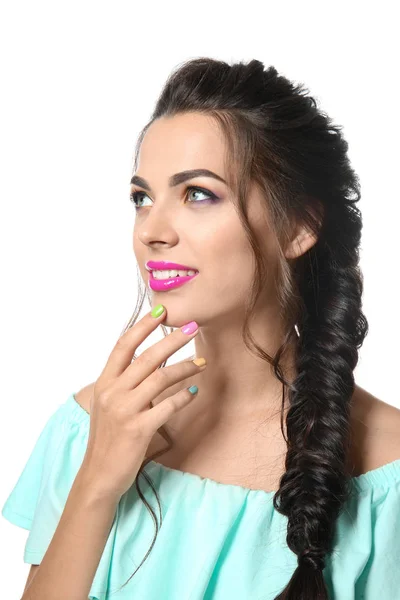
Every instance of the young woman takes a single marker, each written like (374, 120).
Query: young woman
(281, 477)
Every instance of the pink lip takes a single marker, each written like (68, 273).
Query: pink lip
(161, 265)
(163, 285)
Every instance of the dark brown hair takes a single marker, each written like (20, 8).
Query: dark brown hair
(278, 138)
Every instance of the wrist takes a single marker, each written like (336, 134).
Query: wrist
(87, 483)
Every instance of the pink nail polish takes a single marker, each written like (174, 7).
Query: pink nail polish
(190, 327)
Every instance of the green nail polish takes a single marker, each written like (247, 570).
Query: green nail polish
(193, 389)
(157, 311)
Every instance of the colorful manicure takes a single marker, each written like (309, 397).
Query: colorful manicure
(190, 328)
(157, 311)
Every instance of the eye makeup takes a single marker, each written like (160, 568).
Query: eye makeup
(211, 197)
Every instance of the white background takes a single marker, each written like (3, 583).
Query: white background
(79, 80)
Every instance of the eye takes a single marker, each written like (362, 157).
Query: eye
(197, 190)
(135, 197)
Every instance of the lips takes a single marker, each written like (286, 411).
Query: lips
(165, 265)
(163, 285)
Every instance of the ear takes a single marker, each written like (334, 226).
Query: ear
(303, 240)
(302, 237)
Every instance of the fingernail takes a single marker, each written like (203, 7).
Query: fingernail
(193, 389)
(157, 311)
(190, 328)
(199, 362)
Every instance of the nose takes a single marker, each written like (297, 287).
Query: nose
(156, 227)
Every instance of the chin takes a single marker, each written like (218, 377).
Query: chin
(176, 316)
(180, 321)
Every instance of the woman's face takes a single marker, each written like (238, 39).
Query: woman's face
(198, 228)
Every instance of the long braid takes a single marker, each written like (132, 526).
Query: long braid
(315, 484)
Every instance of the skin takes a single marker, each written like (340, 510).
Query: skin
(237, 391)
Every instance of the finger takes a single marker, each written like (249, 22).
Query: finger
(158, 382)
(149, 361)
(157, 416)
(126, 346)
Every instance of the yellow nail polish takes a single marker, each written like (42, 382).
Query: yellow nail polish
(200, 362)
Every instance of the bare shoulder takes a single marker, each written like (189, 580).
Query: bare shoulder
(376, 431)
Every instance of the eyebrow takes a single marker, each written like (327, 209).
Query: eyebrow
(178, 178)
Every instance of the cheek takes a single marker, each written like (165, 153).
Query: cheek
(231, 263)
(139, 251)
(138, 246)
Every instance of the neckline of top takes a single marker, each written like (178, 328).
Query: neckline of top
(381, 476)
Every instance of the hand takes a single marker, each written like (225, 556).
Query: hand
(122, 422)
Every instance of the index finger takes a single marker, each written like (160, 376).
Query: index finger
(126, 346)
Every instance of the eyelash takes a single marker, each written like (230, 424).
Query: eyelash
(211, 197)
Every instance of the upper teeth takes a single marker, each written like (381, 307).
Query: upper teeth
(171, 273)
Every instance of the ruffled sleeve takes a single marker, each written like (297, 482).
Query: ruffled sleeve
(365, 562)
(22, 502)
(38, 498)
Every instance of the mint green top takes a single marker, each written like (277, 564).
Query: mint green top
(217, 541)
